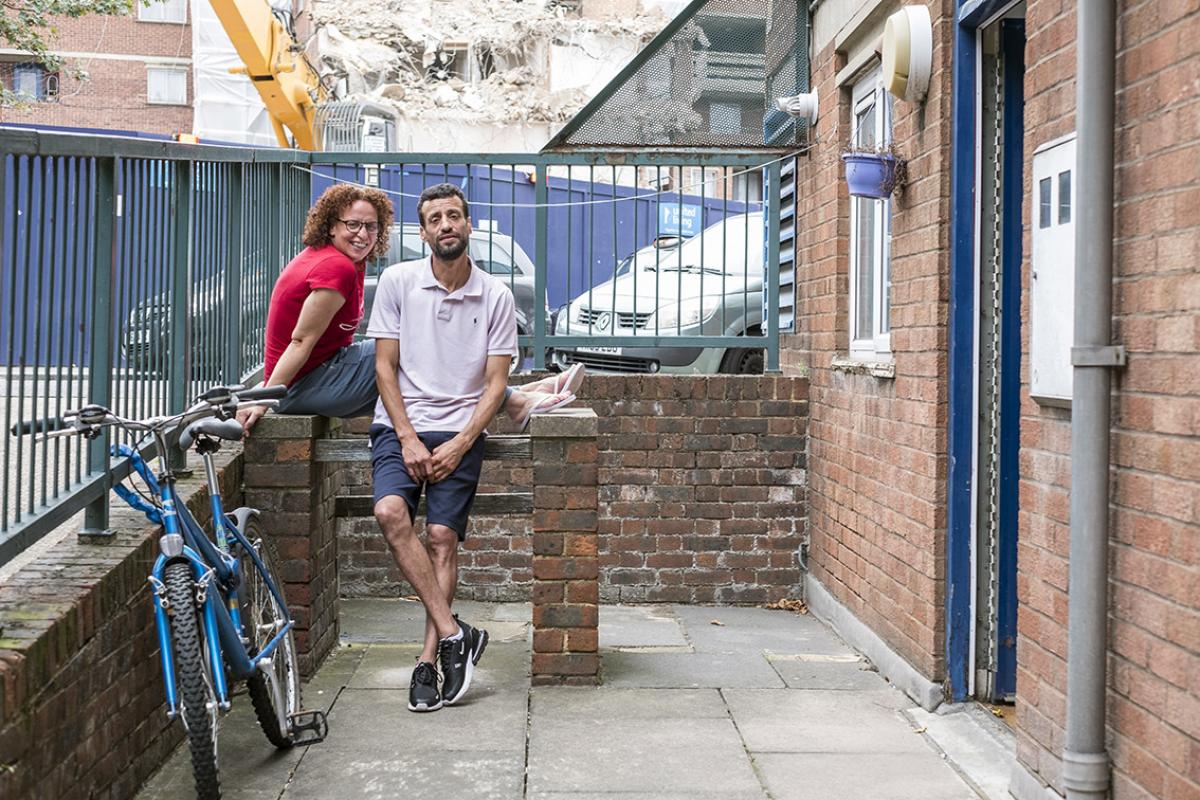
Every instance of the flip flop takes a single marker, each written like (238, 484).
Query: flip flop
(544, 406)
(570, 380)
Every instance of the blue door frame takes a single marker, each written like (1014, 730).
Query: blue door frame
(971, 15)
(1012, 48)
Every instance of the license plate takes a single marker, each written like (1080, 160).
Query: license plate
(608, 351)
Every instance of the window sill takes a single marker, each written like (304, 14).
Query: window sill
(877, 367)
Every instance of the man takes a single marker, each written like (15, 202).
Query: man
(445, 333)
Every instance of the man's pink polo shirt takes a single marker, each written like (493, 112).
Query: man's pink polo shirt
(445, 339)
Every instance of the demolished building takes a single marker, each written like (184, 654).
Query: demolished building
(480, 75)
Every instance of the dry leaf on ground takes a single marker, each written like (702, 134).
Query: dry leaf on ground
(786, 604)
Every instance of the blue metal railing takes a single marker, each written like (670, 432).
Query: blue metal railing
(133, 273)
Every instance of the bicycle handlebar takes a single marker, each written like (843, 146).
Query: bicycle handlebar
(210, 403)
(277, 392)
(45, 425)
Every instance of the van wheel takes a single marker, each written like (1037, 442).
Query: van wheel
(743, 361)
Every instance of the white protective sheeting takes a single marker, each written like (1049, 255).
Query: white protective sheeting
(227, 106)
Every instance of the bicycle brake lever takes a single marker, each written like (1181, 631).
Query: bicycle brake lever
(92, 415)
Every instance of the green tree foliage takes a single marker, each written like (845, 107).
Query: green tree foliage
(28, 25)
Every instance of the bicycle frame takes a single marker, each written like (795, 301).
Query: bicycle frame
(216, 572)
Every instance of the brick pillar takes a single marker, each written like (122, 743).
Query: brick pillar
(565, 562)
(296, 496)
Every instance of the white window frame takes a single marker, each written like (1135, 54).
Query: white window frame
(151, 69)
(876, 344)
(171, 12)
(29, 71)
(748, 186)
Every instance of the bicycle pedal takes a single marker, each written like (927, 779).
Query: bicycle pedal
(308, 727)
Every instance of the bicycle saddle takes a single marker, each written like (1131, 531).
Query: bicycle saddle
(228, 429)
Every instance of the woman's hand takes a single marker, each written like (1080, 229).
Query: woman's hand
(249, 416)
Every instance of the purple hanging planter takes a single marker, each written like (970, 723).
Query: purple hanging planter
(871, 174)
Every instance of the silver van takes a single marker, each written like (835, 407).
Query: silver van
(712, 284)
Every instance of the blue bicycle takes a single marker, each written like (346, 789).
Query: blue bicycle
(219, 610)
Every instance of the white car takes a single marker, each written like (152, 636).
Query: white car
(710, 285)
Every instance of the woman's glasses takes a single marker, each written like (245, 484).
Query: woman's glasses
(356, 225)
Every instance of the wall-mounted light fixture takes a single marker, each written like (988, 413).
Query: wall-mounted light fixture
(803, 106)
(908, 53)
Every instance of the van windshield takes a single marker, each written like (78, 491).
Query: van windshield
(734, 247)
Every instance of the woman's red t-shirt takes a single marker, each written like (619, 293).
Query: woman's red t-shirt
(314, 268)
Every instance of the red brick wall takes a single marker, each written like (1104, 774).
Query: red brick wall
(1044, 517)
(494, 564)
(877, 455)
(1154, 623)
(82, 708)
(114, 95)
(702, 487)
(701, 498)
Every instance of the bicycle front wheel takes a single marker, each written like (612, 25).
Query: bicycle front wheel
(194, 680)
(275, 692)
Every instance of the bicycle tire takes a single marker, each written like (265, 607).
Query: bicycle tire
(199, 704)
(261, 617)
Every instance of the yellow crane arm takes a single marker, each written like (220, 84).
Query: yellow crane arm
(289, 86)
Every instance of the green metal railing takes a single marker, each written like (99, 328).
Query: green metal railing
(134, 273)
(579, 215)
(117, 261)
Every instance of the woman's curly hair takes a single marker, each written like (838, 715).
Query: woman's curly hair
(334, 202)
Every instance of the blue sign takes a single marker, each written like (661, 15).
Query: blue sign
(675, 219)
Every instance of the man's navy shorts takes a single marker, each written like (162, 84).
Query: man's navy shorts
(448, 502)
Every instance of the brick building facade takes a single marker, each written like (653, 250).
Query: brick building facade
(902, 525)
(138, 74)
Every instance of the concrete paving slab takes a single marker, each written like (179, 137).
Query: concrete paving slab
(982, 747)
(512, 612)
(719, 723)
(397, 619)
(757, 629)
(640, 627)
(487, 722)
(797, 721)
(652, 795)
(381, 620)
(385, 666)
(743, 669)
(249, 765)
(879, 776)
(506, 630)
(390, 666)
(843, 672)
(627, 755)
(609, 704)
(325, 774)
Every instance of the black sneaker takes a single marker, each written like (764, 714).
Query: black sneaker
(423, 694)
(458, 658)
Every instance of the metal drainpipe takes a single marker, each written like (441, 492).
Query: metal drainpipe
(1085, 760)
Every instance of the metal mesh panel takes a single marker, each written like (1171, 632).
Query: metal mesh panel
(701, 83)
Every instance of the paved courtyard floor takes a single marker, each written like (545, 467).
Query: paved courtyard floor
(697, 703)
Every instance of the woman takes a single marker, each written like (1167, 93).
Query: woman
(317, 305)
